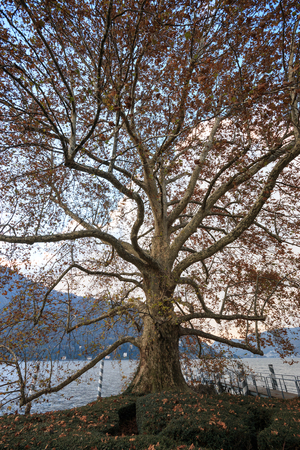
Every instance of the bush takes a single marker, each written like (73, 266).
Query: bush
(225, 421)
(284, 432)
(77, 427)
(192, 419)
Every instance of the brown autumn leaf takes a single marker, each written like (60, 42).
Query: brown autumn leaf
(195, 246)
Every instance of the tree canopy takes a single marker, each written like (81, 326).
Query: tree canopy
(154, 147)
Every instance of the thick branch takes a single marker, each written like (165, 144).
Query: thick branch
(290, 151)
(218, 317)
(195, 175)
(124, 249)
(193, 332)
(130, 194)
(247, 221)
(80, 372)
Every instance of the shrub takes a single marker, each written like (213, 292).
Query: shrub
(284, 432)
(166, 421)
(193, 419)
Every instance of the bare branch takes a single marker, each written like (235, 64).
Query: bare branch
(111, 313)
(108, 274)
(124, 249)
(218, 317)
(39, 315)
(80, 372)
(194, 332)
(195, 175)
(16, 363)
(249, 218)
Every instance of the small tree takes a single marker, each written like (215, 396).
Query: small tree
(180, 117)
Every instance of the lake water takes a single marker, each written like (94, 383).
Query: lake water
(114, 379)
(79, 393)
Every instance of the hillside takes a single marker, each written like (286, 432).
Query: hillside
(77, 347)
(271, 347)
(80, 344)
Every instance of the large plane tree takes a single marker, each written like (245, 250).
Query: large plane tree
(153, 146)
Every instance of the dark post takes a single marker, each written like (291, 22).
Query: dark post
(273, 377)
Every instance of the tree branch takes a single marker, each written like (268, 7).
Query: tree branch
(107, 274)
(247, 221)
(37, 318)
(195, 175)
(193, 332)
(129, 193)
(218, 317)
(111, 313)
(124, 249)
(80, 372)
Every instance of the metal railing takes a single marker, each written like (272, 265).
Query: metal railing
(239, 383)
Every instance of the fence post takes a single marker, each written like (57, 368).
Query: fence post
(100, 378)
(273, 377)
(297, 382)
(231, 383)
(255, 385)
(245, 386)
(267, 387)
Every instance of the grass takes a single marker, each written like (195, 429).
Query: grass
(163, 421)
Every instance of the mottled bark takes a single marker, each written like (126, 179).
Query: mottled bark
(159, 368)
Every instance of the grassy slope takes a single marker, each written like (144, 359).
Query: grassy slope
(164, 421)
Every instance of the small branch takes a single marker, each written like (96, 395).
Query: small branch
(111, 313)
(16, 363)
(218, 317)
(37, 318)
(107, 274)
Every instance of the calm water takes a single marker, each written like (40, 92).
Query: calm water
(114, 379)
(79, 393)
(260, 365)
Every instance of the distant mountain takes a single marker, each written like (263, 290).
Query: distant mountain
(80, 344)
(12, 284)
(272, 341)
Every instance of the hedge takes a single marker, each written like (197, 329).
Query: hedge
(164, 421)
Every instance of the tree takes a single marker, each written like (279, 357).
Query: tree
(182, 118)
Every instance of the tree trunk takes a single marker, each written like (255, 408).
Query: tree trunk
(159, 368)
